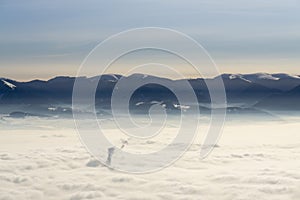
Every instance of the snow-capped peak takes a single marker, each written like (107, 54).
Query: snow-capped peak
(12, 86)
(114, 76)
(235, 76)
(294, 76)
(282, 75)
(267, 76)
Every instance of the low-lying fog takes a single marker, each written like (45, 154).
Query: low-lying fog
(256, 158)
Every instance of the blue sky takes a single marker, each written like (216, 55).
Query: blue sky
(42, 39)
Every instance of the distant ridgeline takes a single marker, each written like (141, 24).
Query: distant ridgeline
(259, 91)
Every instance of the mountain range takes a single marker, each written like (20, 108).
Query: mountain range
(260, 91)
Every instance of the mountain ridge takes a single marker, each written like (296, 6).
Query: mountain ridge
(259, 90)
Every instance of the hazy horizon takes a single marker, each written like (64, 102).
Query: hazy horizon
(161, 76)
(46, 39)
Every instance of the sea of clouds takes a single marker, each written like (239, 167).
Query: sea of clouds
(251, 161)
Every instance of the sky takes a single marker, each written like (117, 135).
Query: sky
(42, 39)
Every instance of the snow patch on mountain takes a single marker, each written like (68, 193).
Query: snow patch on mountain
(287, 76)
(267, 76)
(12, 86)
(294, 76)
(156, 102)
(182, 107)
(139, 103)
(52, 109)
(114, 76)
(236, 76)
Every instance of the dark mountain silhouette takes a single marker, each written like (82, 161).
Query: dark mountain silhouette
(260, 91)
(289, 100)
